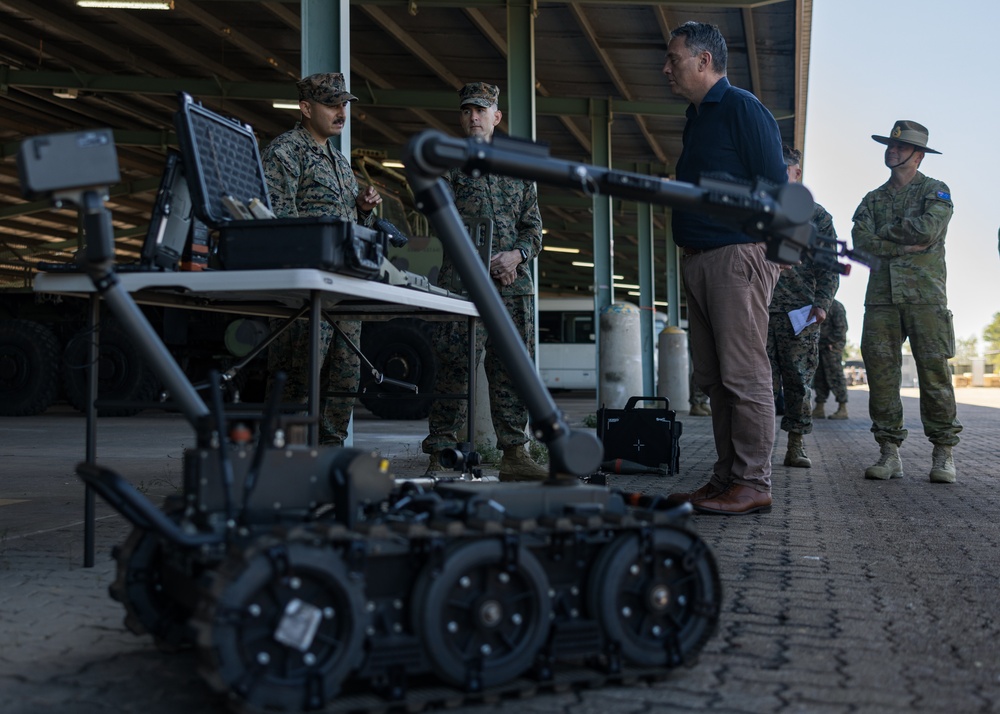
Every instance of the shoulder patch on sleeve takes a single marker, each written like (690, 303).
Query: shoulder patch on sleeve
(944, 195)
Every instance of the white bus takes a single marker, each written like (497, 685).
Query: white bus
(567, 355)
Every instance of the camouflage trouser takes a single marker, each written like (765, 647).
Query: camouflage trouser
(793, 364)
(451, 345)
(830, 377)
(339, 372)
(696, 395)
(932, 342)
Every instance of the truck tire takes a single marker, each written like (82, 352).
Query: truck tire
(29, 367)
(400, 349)
(122, 373)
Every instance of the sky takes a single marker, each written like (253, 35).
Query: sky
(876, 61)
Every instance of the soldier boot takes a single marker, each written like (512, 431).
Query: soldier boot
(819, 412)
(701, 410)
(889, 464)
(841, 412)
(796, 454)
(434, 466)
(942, 465)
(516, 465)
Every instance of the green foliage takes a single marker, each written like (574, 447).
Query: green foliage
(991, 340)
(590, 421)
(489, 453)
(539, 454)
(966, 349)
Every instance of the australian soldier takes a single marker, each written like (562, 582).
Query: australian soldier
(904, 223)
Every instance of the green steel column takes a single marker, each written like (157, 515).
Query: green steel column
(521, 89)
(326, 47)
(521, 69)
(647, 290)
(673, 275)
(604, 246)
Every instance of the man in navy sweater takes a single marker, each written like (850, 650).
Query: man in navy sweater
(728, 279)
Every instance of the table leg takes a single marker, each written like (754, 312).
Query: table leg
(90, 393)
(315, 315)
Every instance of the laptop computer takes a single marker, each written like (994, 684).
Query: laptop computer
(169, 229)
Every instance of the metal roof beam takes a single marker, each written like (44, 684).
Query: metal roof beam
(498, 41)
(235, 37)
(71, 28)
(503, 3)
(271, 91)
(616, 78)
(415, 48)
(371, 77)
(753, 64)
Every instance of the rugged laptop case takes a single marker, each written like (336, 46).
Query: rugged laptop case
(222, 159)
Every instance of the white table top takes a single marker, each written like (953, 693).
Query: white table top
(265, 292)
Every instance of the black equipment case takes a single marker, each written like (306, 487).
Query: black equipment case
(222, 165)
(646, 436)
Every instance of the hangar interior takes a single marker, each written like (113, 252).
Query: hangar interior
(599, 97)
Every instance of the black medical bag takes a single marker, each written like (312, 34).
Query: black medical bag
(648, 436)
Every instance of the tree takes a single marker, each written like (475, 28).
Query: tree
(966, 349)
(991, 338)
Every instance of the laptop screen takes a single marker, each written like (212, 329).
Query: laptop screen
(170, 223)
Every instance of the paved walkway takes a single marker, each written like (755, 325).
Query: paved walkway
(850, 596)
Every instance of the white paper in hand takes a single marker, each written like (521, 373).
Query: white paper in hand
(800, 318)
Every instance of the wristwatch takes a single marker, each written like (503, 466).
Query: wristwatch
(524, 254)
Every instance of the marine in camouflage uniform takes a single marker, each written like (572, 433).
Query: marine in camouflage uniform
(309, 177)
(904, 223)
(793, 356)
(512, 205)
(830, 372)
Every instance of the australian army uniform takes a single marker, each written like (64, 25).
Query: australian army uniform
(830, 372)
(794, 357)
(906, 298)
(512, 205)
(306, 179)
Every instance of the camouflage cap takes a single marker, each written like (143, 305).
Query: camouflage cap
(908, 132)
(329, 88)
(479, 93)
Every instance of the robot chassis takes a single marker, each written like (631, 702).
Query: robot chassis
(310, 579)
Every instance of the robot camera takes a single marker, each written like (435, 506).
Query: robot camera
(62, 163)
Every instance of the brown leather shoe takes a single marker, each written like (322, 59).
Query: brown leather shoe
(737, 500)
(706, 491)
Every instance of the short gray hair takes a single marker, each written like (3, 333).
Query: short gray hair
(702, 37)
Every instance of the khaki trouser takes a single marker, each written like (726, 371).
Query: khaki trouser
(728, 292)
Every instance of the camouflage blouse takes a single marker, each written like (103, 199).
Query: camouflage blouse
(305, 179)
(807, 283)
(512, 204)
(887, 221)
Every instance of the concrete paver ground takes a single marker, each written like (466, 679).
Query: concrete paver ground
(850, 596)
